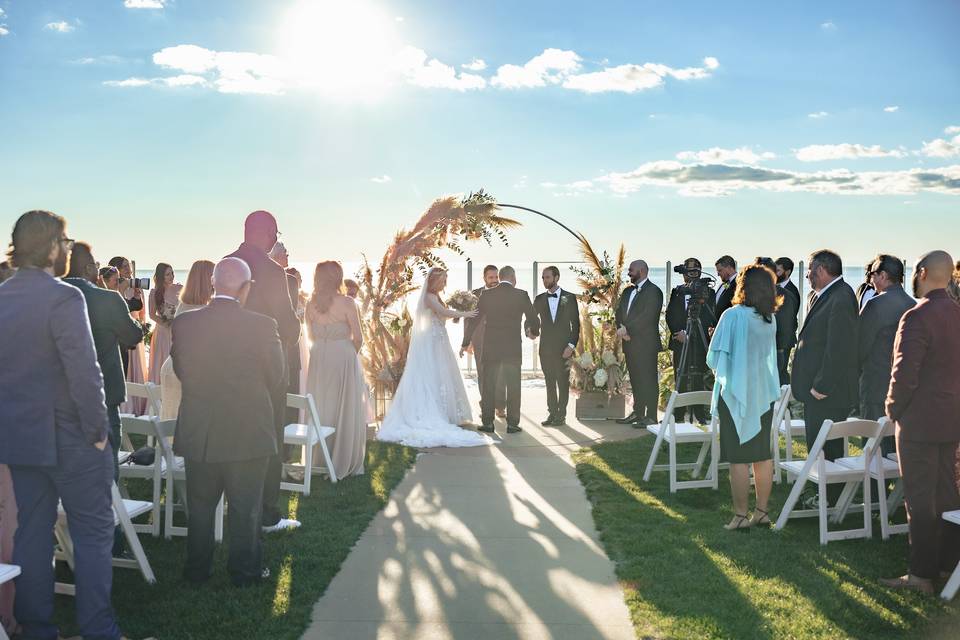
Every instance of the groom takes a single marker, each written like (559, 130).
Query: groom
(502, 309)
(560, 332)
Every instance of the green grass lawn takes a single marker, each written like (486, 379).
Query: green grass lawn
(302, 562)
(684, 576)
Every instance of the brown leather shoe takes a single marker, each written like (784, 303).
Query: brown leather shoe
(911, 582)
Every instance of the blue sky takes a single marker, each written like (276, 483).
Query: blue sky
(677, 127)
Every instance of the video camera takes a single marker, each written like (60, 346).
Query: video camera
(699, 287)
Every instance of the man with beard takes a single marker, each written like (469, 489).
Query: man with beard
(54, 431)
(786, 324)
(473, 332)
(559, 317)
(638, 326)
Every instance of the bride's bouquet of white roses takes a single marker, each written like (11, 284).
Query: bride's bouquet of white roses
(462, 301)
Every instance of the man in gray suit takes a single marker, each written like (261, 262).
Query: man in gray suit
(54, 431)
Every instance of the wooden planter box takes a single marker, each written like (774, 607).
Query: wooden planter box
(598, 405)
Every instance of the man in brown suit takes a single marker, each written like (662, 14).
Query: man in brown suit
(924, 401)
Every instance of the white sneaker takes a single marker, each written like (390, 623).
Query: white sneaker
(284, 523)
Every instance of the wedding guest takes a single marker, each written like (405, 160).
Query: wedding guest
(559, 317)
(134, 360)
(279, 255)
(335, 378)
(196, 294)
(638, 326)
(825, 367)
(163, 307)
(351, 288)
(6, 271)
(473, 332)
(866, 291)
(924, 402)
(230, 360)
(270, 296)
(787, 324)
(54, 431)
(676, 317)
(128, 288)
(743, 356)
(727, 272)
(110, 278)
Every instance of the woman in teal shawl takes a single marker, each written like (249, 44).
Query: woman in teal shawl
(743, 355)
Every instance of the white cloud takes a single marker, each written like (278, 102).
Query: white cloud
(60, 27)
(107, 59)
(743, 155)
(828, 26)
(952, 131)
(630, 78)
(413, 64)
(144, 4)
(551, 66)
(521, 183)
(2, 12)
(229, 71)
(382, 179)
(398, 18)
(710, 62)
(891, 109)
(183, 80)
(818, 114)
(477, 64)
(129, 82)
(941, 148)
(3, 30)
(845, 151)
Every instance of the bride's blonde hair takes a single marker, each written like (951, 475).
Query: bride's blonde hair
(433, 279)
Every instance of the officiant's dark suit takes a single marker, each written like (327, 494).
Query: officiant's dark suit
(473, 332)
(639, 313)
(559, 317)
(231, 364)
(676, 316)
(507, 314)
(826, 360)
(787, 323)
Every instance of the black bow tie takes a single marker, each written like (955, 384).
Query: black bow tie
(552, 295)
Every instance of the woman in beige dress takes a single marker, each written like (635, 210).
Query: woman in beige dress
(196, 294)
(163, 307)
(335, 378)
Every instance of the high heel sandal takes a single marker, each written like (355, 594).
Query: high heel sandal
(738, 524)
(764, 519)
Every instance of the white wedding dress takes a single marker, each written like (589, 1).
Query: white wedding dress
(431, 399)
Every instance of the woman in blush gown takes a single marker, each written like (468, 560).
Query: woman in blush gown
(431, 400)
(163, 307)
(335, 378)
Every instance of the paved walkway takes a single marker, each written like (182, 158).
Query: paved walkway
(484, 543)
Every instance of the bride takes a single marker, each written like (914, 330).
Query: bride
(431, 400)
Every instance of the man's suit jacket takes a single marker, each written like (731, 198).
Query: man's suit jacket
(924, 395)
(863, 290)
(50, 381)
(723, 298)
(230, 363)
(555, 335)
(642, 318)
(293, 348)
(826, 355)
(501, 310)
(270, 293)
(473, 330)
(790, 289)
(787, 319)
(113, 329)
(877, 328)
(677, 318)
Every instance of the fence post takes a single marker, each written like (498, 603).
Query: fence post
(666, 293)
(533, 343)
(469, 274)
(803, 307)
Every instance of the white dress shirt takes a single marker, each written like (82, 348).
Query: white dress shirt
(633, 294)
(554, 304)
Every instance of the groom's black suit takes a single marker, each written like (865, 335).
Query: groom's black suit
(501, 310)
(556, 334)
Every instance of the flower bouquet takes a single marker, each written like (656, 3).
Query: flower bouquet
(462, 301)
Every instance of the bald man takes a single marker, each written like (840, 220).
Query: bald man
(230, 362)
(924, 402)
(638, 326)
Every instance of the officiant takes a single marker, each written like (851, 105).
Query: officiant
(559, 333)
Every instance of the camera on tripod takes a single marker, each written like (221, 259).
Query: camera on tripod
(698, 288)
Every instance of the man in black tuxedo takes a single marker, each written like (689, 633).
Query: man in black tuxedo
(559, 318)
(676, 316)
(270, 296)
(230, 361)
(723, 297)
(638, 326)
(787, 323)
(473, 339)
(825, 367)
(502, 310)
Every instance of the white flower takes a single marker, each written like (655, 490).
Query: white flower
(600, 378)
(402, 321)
(609, 359)
(586, 360)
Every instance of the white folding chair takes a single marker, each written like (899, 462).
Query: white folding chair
(675, 433)
(307, 435)
(7, 573)
(820, 471)
(145, 426)
(784, 424)
(123, 512)
(882, 470)
(953, 582)
(780, 407)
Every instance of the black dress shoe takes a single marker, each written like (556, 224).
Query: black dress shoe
(549, 422)
(486, 428)
(559, 421)
(630, 419)
(513, 429)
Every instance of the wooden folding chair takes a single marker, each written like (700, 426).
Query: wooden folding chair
(820, 471)
(307, 436)
(953, 582)
(675, 433)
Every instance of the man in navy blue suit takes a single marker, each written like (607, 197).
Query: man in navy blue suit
(54, 430)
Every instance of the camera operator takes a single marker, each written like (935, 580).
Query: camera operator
(694, 289)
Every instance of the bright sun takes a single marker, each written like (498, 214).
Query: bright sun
(339, 48)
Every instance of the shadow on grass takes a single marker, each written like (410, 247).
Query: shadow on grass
(686, 577)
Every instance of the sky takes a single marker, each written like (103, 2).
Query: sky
(677, 128)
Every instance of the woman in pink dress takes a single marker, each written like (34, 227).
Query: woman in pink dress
(163, 307)
(137, 358)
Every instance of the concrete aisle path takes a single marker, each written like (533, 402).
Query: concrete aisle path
(486, 543)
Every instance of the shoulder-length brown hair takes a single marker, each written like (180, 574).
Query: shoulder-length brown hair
(757, 288)
(159, 276)
(199, 286)
(327, 284)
